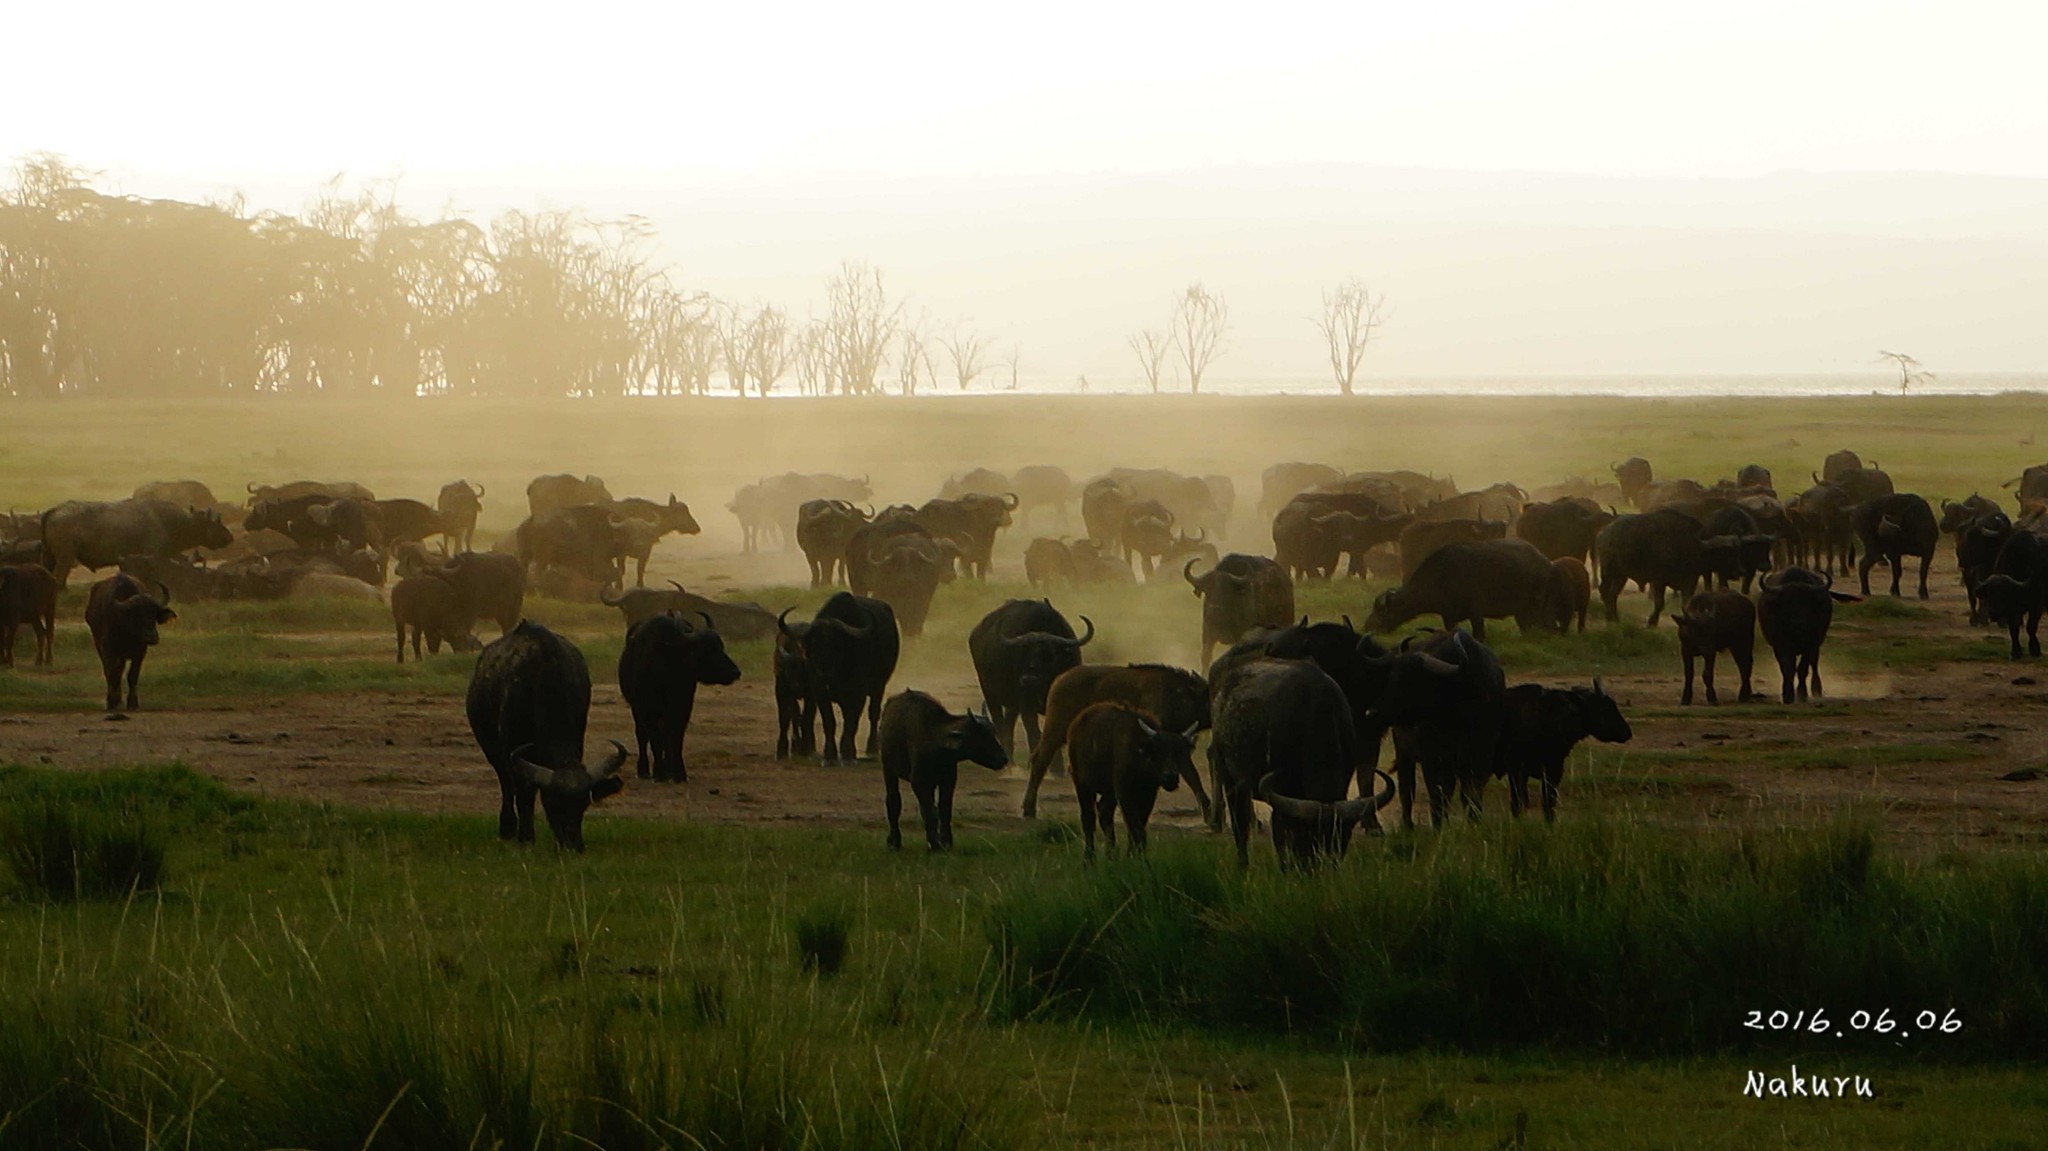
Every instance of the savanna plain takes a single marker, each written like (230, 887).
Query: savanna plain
(268, 909)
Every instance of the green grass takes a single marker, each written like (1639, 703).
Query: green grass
(316, 977)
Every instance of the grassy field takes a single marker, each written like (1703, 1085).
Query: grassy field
(186, 966)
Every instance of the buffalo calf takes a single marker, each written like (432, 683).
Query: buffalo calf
(923, 744)
(1577, 587)
(1121, 758)
(123, 617)
(429, 608)
(28, 595)
(1714, 622)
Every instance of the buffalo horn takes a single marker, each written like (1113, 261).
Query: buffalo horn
(678, 587)
(607, 600)
(1187, 572)
(782, 621)
(1437, 666)
(612, 762)
(1011, 501)
(479, 489)
(709, 623)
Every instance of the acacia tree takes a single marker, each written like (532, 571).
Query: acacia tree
(1151, 348)
(1199, 320)
(768, 347)
(969, 352)
(1910, 371)
(859, 326)
(1351, 314)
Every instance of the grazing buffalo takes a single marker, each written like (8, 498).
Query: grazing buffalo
(315, 490)
(1442, 698)
(1474, 582)
(973, 522)
(1147, 533)
(658, 520)
(1102, 511)
(1577, 586)
(1978, 542)
(1714, 622)
(1424, 538)
(1048, 562)
(1377, 519)
(408, 521)
(460, 503)
(1043, 488)
(99, 534)
(491, 586)
(1892, 527)
(1284, 735)
(1185, 548)
(1018, 650)
(590, 540)
(850, 650)
(28, 595)
(1539, 728)
(923, 744)
(823, 529)
(123, 618)
(734, 621)
(1280, 483)
(553, 493)
(663, 661)
(1176, 698)
(528, 705)
(430, 608)
(1794, 607)
(1501, 502)
(1309, 538)
(1240, 593)
(1122, 759)
(1633, 474)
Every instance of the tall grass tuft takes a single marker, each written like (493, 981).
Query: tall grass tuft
(821, 939)
(64, 852)
(1592, 933)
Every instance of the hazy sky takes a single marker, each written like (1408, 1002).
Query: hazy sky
(560, 94)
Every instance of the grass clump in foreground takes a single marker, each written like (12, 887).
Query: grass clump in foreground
(1591, 933)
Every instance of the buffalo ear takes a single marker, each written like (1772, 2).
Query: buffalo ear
(607, 787)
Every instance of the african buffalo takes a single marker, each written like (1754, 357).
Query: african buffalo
(1147, 533)
(795, 729)
(660, 519)
(1178, 698)
(1424, 538)
(850, 649)
(1240, 593)
(460, 504)
(1840, 463)
(28, 595)
(1474, 582)
(430, 609)
(528, 706)
(660, 666)
(1042, 488)
(1122, 759)
(1658, 549)
(1284, 734)
(490, 586)
(1309, 539)
(1018, 650)
(1794, 607)
(1282, 482)
(1633, 474)
(978, 482)
(553, 493)
(123, 617)
(1563, 527)
(1892, 527)
(1578, 592)
(1442, 698)
(590, 540)
(1713, 622)
(905, 571)
(972, 521)
(823, 529)
(1102, 510)
(1539, 728)
(99, 534)
(922, 744)
(1048, 562)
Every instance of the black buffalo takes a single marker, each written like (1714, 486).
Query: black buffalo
(1892, 527)
(28, 595)
(589, 540)
(1018, 650)
(491, 586)
(552, 493)
(1122, 759)
(1442, 697)
(1310, 537)
(123, 617)
(1633, 474)
(1041, 487)
(823, 529)
(1284, 735)
(905, 571)
(2017, 589)
(1102, 510)
(528, 705)
(973, 521)
(430, 609)
(1539, 728)
(663, 661)
(850, 650)
(1240, 593)
(922, 744)
(1714, 622)
(1563, 528)
(460, 503)
(1794, 608)
(656, 519)
(1660, 549)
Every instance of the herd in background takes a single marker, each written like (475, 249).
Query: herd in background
(1297, 711)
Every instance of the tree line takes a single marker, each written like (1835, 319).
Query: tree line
(115, 295)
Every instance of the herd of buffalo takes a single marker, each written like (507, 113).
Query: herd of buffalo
(1296, 711)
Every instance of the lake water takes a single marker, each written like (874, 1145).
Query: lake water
(1647, 386)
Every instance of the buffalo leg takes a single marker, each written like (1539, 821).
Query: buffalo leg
(401, 645)
(2033, 643)
(1685, 696)
(672, 733)
(523, 805)
(1137, 808)
(1898, 563)
(874, 726)
(1239, 800)
(1473, 789)
(1031, 736)
(1656, 604)
(1087, 803)
(1212, 810)
(831, 722)
(1005, 722)
(640, 738)
(1744, 657)
(928, 812)
(1925, 562)
(1707, 659)
(1210, 815)
(135, 675)
(1553, 774)
(1788, 670)
(1105, 817)
(7, 634)
(1518, 790)
(1863, 571)
(1813, 673)
(1404, 775)
(508, 813)
(947, 783)
(112, 668)
(894, 805)
(2012, 627)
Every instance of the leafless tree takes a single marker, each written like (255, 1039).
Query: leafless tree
(1151, 348)
(969, 352)
(813, 359)
(913, 359)
(1199, 321)
(768, 347)
(1351, 314)
(1910, 371)
(859, 326)
(1016, 354)
(731, 327)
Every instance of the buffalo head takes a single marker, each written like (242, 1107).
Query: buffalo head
(567, 792)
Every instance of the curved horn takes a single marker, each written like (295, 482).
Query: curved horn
(782, 621)
(1306, 810)
(612, 762)
(1187, 572)
(1385, 795)
(479, 489)
(1193, 730)
(607, 600)
(1089, 635)
(166, 589)
(678, 587)
(252, 486)
(1599, 688)
(535, 774)
(709, 623)
(1441, 667)
(1011, 501)
(1200, 539)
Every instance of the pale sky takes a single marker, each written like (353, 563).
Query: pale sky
(608, 89)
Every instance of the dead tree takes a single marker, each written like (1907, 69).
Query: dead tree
(1351, 314)
(969, 353)
(1199, 321)
(1151, 348)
